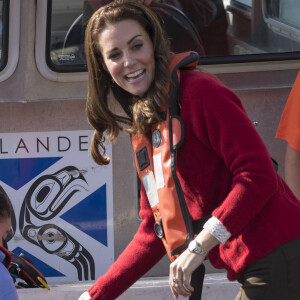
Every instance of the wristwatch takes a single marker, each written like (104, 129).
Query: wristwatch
(196, 248)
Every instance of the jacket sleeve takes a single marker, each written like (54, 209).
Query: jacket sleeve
(289, 126)
(141, 254)
(220, 122)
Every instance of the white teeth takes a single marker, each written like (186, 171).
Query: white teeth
(135, 74)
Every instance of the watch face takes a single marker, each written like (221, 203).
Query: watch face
(193, 246)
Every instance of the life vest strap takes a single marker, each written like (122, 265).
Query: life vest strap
(198, 224)
(156, 160)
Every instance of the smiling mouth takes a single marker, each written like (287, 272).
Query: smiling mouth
(135, 75)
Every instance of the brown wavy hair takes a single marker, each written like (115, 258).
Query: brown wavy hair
(6, 208)
(140, 113)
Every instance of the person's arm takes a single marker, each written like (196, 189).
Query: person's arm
(7, 287)
(220, 123)
(288, 130)
(292, 170)
(142, 253)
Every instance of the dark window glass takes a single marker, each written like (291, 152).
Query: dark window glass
(288, 13)
(284, 14)
(222, 31)
(245, 2)
(4, 17)
(65, 36)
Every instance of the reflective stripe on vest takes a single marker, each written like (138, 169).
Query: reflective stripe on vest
(155, 163)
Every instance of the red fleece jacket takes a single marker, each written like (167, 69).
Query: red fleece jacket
(225, 170)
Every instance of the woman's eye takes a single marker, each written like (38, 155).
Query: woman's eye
(114, 55)
(138, 46)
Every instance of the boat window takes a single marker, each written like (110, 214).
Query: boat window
(282, 18)
(287, 13)
(4, 16)
(245, 2)
(222, 31)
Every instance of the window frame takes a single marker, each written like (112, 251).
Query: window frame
(279, 25)
(214, 65)
(11, 38)
(5, 34)
(51, 65)
(42, 20)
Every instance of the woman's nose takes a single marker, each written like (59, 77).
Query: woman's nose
(129, 60)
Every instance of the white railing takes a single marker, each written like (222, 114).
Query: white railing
(215, 287)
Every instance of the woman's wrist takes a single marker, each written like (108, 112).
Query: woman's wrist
(206, 240)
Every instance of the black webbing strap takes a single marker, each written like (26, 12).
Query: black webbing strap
(198, 275)
(197, 282)
(198, 224)
(173, 113)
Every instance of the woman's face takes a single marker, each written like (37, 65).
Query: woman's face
(128, 55)
(5, 227)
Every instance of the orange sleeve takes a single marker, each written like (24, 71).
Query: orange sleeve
(289, 126)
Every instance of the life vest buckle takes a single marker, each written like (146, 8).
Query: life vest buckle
(158, 228)
(143, 158)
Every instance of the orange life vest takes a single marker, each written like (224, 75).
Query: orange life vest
(155, 163)
(20, 266)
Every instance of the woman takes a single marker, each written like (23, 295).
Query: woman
(7, 287)
(223, 166)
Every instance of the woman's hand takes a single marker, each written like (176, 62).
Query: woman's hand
(182, 268)
(85, 296)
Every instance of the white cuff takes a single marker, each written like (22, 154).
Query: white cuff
(217, 229)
